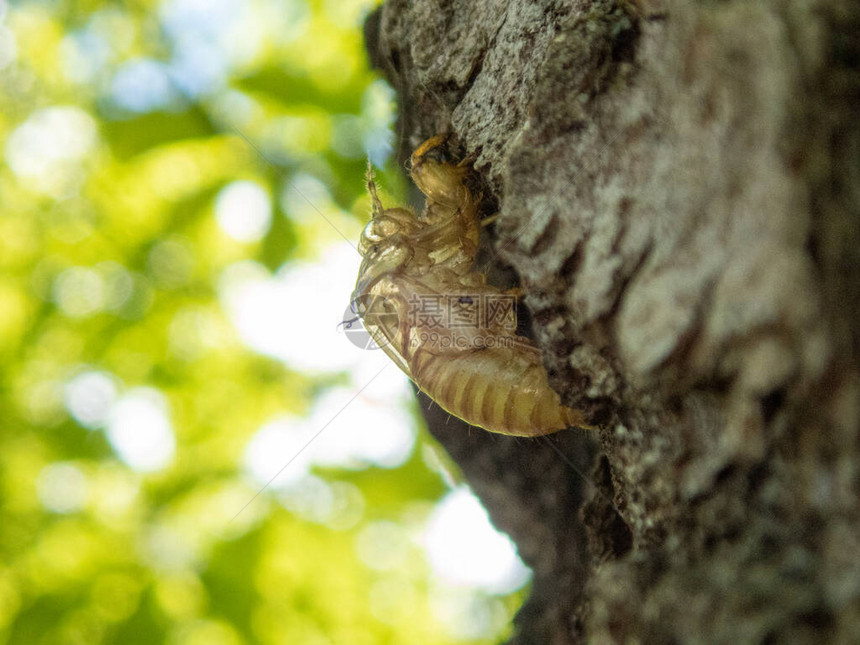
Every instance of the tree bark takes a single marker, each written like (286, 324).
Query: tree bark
(679, 195)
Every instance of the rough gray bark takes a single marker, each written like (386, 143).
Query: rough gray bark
(679, 189)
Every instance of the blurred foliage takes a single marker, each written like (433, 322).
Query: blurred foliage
(122, 124)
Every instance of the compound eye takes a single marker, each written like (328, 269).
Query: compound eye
(371, 232)
(380, 228)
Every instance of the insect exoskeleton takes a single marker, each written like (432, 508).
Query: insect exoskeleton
(426, 306)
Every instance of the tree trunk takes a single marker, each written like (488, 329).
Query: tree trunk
(679, 195)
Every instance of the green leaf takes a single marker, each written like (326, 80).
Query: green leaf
(279, 241)
(293, 89)
(133, 136)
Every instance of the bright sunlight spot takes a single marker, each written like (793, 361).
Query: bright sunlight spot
(49, 146)
(469, 614)
(331, 436)
(143, 85)
(244, 211)
(89, 397)
(294, 316)
(465, 549)
(62, 487)
(79, 292)
(139, 430)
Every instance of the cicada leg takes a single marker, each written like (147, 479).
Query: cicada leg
(489, 220)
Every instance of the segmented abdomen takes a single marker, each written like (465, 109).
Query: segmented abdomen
(496, 389)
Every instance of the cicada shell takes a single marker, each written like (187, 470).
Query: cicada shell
(435, 316)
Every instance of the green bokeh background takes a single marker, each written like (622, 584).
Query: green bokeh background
(110, 260)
